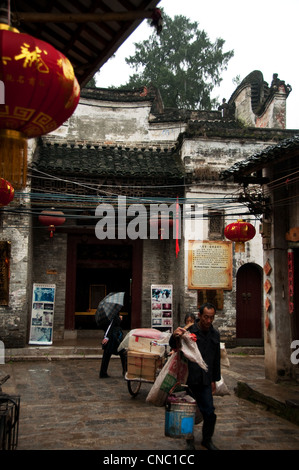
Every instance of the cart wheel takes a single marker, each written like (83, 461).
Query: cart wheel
(134, 387)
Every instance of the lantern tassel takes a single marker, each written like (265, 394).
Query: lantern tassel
(52, 230)
(239, 247)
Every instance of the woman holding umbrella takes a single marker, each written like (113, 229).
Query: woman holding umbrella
(110, 343)
(108, 311)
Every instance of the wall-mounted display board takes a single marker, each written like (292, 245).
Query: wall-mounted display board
(162, 307)
(42, 314)
(210, 265)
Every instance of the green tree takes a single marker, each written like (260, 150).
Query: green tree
(91, 83)
(181, 62)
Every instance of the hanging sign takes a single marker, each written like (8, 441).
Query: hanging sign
(162, 307)
(41, 328)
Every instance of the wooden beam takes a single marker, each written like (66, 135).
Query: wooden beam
(35, 17)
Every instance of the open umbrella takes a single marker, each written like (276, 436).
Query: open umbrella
(108, 308)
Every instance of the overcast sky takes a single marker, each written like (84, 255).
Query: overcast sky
(262, 33)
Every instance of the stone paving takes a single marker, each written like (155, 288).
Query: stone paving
(65, 406)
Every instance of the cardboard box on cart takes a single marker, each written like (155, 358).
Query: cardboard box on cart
(147, 345)
(143, 365)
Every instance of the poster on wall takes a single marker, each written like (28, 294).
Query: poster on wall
(161, 307)
(42, 313)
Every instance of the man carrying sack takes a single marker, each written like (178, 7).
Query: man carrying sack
(201, 383)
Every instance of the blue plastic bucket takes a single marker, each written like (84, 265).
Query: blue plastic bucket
(179, 419)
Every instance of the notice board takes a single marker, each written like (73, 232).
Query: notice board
(209, 265)
(41, 328)
(162, 307)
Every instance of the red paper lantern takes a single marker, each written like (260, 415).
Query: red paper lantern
(51, 219)
(40, 93)
(239, 232)
(7, 192)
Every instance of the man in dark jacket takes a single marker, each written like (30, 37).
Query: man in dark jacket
(201, 383)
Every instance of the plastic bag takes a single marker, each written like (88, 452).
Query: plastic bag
(175, 371)
(150, 333)
(190, 350)
(221, 388)
(224, 357)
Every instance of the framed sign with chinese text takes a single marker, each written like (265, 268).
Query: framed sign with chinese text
(161, 307)
(210, 265)
(42, 314)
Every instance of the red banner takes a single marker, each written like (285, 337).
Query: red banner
(291, 280)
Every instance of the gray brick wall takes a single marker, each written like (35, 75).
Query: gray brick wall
(50, 268)
(14, 316)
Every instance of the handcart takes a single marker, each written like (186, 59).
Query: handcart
(146, 356)
(143, 367)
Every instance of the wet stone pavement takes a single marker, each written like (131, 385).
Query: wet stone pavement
(65, 406)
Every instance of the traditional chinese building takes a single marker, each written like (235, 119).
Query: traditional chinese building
(122, 149)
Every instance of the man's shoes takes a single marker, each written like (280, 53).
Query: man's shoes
(104, 376)
(208, 444)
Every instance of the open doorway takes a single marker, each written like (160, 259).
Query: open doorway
(96, 268)
(101, 269)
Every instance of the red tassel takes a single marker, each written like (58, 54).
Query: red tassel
(177, 247)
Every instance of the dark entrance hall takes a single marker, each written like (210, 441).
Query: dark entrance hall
(94, 270)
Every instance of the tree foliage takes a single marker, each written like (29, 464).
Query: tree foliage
(181, 62)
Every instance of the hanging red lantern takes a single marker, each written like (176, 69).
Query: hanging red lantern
(40, 93)
(239, 232)
(51, 219)
(7, 192)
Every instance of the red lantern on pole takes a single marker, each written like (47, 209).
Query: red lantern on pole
(7, 192)
(39, 92)
(51, 219)
(239, 232)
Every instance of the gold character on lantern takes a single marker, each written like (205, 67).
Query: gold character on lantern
(5, 60)
(67, 68)
(32, 57)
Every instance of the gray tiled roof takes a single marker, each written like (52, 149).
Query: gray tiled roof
(269, 155)
(108, 161)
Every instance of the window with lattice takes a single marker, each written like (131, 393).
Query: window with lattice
(216, 227)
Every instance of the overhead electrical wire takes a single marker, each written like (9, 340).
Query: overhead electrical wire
(229, 204)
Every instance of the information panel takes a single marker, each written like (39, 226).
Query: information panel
(210, 265)
(161, 307)
(41, 328)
